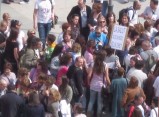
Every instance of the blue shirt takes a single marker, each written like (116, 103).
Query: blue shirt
(101, 39)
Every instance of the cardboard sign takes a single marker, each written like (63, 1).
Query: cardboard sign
(118, 37)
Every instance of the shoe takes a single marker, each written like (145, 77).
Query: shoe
(126, 2)
(22, 2)
(7, 2)
(11, 0)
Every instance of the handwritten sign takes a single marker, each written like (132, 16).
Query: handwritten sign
(118, 37)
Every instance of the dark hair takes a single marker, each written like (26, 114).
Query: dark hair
(66, 33)
(98, 62)
(109, 50)
(123, 15)
(13, 34)
(90, 43)
(155, 2)
(121, 71)
(44, 65)
(11, 87)
(133, 34)
(155, 101)
(74, 15)
(8, 65)
(65, 26)
(133, 82)
(156, 23)
(51, 38)
(57, 50)
(32, 41)
(109, 15)
(132, 50)
(65, 59)
(137, 113)
(34, 98)
(147, 24)
(14, 23)
(64, 84)
(139, 64)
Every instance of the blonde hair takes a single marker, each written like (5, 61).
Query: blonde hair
(55, 94)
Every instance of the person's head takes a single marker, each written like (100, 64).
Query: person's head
(98, 31)
(109, 50)
(78, 109)
(65, 59)
(155, 102)
(57, 50)
(3, 84)
(54, 95)
(157, 40)
(124, 20)
(11, 87)
(23, 76)
(156, 25)
(39, 44)
(81, 3)
(133, 50)
(139, 64)
(101, 21)
(79, 61)
(75, 19)
(50, 39)
(133, 61)
(97, 7)
(66, 27)
(3, 26)
(64, 84)
(42, 77)
(81, 40)
(34, 98)
(147, 25)
(98, 62)
(42, 66)
(91, 45)
(31, 33)
(154, 4)
(7, 68)
(146, 45)
(13, 34)
(134, 35)
(15, 24)
(32, 42)
(50, 81)
(137, 5)
(121, 71)
(133, 82)
(76, 47)
(6, 17)
(110, 18)
(138, 99)
(67, 36)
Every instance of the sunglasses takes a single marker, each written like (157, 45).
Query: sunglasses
(102, 22)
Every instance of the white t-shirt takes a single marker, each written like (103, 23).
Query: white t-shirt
(44, 10)
(153, 113)
(20, 39)
(133, 15)
(156, 86)
(156, 49)
(151, 13)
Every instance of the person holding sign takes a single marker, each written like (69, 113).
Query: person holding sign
(99, 37)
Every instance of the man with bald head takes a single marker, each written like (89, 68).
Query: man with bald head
(148, 55)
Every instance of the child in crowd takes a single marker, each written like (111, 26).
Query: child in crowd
(78, 110)
(50, 46)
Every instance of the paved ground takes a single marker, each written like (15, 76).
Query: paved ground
(24, 12)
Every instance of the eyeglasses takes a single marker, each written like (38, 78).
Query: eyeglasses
(98, 33)
(101, 21)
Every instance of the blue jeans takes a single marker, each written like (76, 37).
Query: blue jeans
(93, 96)
(44, 29)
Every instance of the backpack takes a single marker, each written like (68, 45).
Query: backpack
(125, 10)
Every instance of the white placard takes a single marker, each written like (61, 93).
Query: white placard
(118, 37)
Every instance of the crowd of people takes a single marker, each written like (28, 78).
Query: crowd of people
(78, 74)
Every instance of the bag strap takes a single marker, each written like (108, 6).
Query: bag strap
(155, 112)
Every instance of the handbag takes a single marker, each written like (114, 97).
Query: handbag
(104, 89)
